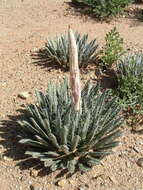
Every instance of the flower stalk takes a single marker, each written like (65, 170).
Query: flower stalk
(75, 84)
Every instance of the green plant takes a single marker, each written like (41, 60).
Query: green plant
(130, 80)
(113, 49)
(57, 50)
(63, 138)
(105, 8)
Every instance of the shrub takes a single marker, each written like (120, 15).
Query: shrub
(105, 8)
(113, 48)
(57, 51)
(64, 138)
(130, 80)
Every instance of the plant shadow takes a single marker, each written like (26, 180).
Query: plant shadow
(135, 13)
(138, 14)
(39, 59)
(82, 11)
(108, 79)
(9, 133)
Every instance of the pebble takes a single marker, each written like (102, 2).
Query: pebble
(112, 178)
(34, 173)
(128, 164)
(141, 142)
(136, 149)
(7, 159)
(140, 162)
(62, 182)
(23, 95)
(81, 188)
(30, 182)
(35, 186)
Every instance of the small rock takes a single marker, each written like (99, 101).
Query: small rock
(35, 186)
(7, 159)
(136, 149)
(140, 162)
(141, 142)
(30, 182)
(23, 178)
(128, 164)
(81, 188)
(34, 173)
(112, 178)
(23, 95)
(62, 182)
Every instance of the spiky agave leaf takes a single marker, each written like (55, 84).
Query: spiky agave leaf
(63, 138)
(57, 50)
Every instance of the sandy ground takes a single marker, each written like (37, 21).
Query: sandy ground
(24, 26)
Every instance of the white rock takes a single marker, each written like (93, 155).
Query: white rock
(140, 162)
(23, 95)
(7, 159)
(62, 182)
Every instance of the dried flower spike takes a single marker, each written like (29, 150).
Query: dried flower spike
(74, 72)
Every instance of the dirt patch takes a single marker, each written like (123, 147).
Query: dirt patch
(25, 25)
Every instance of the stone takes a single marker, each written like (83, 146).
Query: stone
(34, 173)
(62, 183)
(112, 178)
(81, 188)
(128, 164)
(35, 186)
(140, 142)
(23, 95)
(7, 159)
(140, 162)
(30, 182)
(136, 149)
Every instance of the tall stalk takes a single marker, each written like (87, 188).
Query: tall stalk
(74, 72)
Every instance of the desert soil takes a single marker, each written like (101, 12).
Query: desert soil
(25, 26)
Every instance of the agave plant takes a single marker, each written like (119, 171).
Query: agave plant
(130, 80)
(63, 138)
(57, 50)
